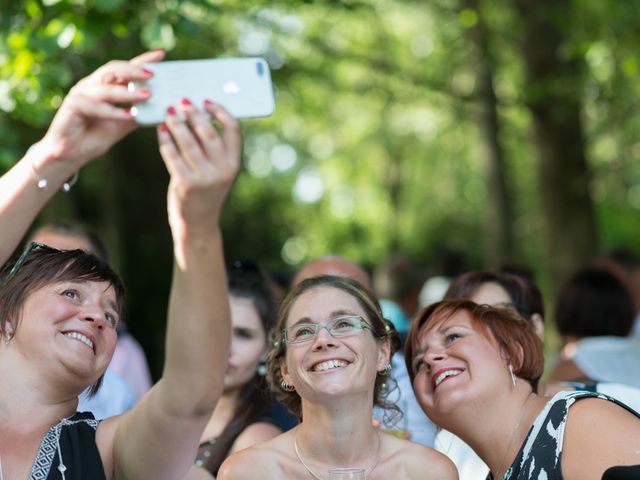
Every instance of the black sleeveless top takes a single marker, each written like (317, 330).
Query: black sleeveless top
(541, 453)
(74, 440)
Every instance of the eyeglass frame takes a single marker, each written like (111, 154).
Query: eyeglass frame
(363, 324)
(32, 247)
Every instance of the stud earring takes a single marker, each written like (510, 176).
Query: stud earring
(286, 387)
(262, 368)
(513, 377)
(387, 370)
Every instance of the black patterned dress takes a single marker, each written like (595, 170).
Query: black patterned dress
(74, 440)
(540, 456)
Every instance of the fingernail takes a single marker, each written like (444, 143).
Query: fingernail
(163, 128)
(208, 103)
(186, 102)
(145, 92)
(147, 72)
(126, 112)
(171, 111)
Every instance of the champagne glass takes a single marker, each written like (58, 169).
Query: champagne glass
(346, 474)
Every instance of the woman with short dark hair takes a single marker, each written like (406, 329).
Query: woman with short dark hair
(60, 309)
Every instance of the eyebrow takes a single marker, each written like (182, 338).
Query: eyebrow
(332, 316)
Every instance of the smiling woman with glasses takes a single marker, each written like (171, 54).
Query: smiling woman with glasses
(329, 364)
(59, 309)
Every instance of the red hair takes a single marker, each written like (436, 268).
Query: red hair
(515, 336)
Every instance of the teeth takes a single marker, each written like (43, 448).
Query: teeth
(81, 337)
(445, 374)
(329, 364)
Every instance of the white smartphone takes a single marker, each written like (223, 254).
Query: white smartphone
(242, 85)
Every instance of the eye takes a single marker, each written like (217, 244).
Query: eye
(111, 319)
(71, 293)
(346, 323)
(452, 337)
(418, 365)
(303, 331)
(243, 333)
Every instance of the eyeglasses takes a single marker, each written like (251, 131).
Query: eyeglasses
(343, 326)
(32, 247)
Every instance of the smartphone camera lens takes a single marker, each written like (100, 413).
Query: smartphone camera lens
(260, 68)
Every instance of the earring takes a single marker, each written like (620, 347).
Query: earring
(286, 387)
(262, 368)
(6, 337)
(387, 370)
(513, 377)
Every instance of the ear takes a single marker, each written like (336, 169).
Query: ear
(284, 370)
(538, 325)
(384, 354)
(518, 359)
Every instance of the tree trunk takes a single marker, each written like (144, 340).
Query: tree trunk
(499, 214)
(553, 94)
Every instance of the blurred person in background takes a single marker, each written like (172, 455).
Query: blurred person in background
(240, 419)
(595, 314)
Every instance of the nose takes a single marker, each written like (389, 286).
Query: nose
(433, 357)
(323, 339)
(95, 315)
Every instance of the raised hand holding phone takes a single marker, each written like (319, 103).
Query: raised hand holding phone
(241, 85)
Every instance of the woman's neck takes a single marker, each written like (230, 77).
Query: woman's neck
(328, 433)
(497, 431)
(26, 397)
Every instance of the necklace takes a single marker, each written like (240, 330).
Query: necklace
(523, 410)
(317, 477)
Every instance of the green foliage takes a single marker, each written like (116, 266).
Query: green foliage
(375, 145)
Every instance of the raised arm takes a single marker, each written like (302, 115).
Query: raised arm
(87, 124)
(159, 437)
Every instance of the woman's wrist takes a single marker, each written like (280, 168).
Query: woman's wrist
(48, 169)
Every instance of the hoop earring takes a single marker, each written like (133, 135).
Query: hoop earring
(387, 370)
(286, 387)
(513, 377)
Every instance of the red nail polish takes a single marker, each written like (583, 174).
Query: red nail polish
(126, 112)
(163, 128)
(186, 102)
(147, 72)
(171, 111)
(208, 103)
(145, 91)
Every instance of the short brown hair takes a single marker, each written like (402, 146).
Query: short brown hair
(515, 336)
(43, 267)
(381, 329)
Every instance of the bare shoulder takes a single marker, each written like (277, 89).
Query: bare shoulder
(416, 461)
(254, 434)
(599, 434)
(264, 458)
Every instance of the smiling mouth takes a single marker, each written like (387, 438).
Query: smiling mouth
(83, 338)
(442, 376)
(329, 365)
